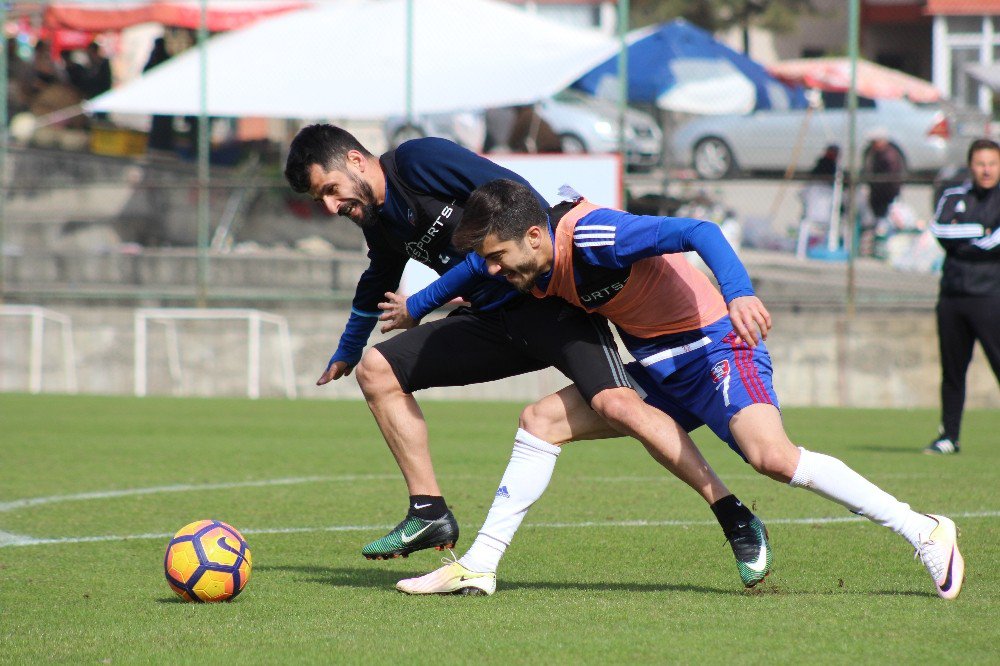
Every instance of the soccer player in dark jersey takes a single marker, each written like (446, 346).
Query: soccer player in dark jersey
(699, 354)
(407, 203)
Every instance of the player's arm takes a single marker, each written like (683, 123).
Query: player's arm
(398, 312)
(382, 275)
(960, 238)
(617, 239)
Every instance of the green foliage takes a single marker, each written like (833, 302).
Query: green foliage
(584, 582)
(714, 15)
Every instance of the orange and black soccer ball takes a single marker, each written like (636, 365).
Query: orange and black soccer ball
(207, 561)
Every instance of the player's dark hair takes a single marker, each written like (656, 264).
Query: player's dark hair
(981, 144)
(325, 145)
(504, 208)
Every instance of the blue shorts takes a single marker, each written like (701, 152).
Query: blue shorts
(725, 377)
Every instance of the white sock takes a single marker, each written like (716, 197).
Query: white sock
(830, 478)
(525, 479)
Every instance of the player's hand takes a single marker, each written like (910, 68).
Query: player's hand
(750, 318)
(394, 313)
(335, 371)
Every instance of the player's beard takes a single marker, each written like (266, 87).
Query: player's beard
(360, 209)
(526, 275)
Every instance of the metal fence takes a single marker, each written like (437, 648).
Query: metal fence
(156, 230)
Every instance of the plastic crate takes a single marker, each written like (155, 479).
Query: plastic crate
(117, 142)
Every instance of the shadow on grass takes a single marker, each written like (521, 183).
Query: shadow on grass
(382, 578)
(346, 576)
(387, 579)
(881, 448)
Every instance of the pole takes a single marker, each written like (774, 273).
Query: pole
(623, 11)
(3, 137)
(203, 157)
(409, 62)
(852, 142)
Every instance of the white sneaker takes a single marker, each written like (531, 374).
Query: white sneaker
(939, 553)
(452, 578)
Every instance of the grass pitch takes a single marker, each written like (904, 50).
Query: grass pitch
(618, 562)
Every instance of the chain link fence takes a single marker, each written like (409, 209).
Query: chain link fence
(100, 212)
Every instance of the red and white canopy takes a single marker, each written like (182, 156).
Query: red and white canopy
(875, 81)
(221, 15)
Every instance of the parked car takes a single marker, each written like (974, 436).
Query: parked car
(925, 135)
(584, 124)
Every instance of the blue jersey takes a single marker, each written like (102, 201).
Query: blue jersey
(624, 240)
(422, 175)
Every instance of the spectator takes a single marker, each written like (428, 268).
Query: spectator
(161, 130)
(817, 201)
(76, 72)
(532, 134)
(19, 76)
(885, 167)
(826, 165)
(499, 128)
(967, 224)
(44, 71)
(98, 75)
(97, 78)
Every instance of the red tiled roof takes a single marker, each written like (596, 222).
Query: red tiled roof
(963, 7)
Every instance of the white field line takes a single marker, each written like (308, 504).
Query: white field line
(7, 539)
(184, 488)
(13, 505)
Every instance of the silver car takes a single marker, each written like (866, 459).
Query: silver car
(765, 140)
(587, 124)
(584, 124)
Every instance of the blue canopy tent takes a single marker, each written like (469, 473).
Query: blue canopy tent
(679, 67)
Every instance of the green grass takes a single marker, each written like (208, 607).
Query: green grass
(840, 592)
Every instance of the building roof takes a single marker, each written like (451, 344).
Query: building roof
(963, 7)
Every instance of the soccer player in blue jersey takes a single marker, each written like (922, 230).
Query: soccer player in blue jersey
(407, 203)
(697, 357)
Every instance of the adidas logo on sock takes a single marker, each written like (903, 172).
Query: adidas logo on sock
(502, 492)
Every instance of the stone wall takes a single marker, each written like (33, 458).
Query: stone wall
(820, 360)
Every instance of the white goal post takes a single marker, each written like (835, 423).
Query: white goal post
(255, 320)
(39, 316)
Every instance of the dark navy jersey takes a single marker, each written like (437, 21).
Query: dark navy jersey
(967, 224)
(428, 182)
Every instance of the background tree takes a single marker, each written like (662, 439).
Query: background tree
(778, 16)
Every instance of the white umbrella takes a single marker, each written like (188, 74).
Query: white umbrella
(348, 60)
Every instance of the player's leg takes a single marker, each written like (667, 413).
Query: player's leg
(757, 430)
(586, 352)
(589, 356)
(986, 323)
(401, 421)
(561, 418)
(458, 350)
(955, 342)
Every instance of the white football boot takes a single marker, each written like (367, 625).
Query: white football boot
(939, 553)
(452, 578)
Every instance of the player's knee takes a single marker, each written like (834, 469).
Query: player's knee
(616, 406)
(374, 374)
(775, 458)
(542, 422)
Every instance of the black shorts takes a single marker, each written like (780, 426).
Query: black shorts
(528, 334)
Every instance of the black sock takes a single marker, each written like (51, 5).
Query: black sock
(427, 507)
(730, 512)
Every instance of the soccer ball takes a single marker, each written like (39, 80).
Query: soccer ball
(207, 560)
